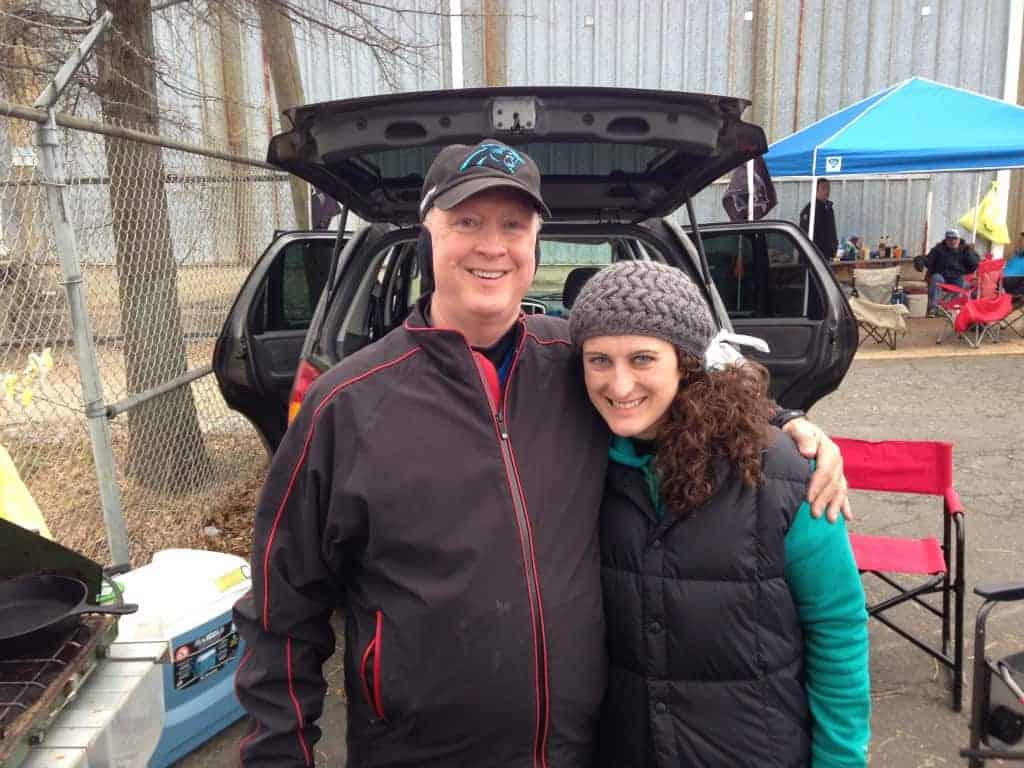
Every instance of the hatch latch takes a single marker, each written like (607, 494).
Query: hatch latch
(514, 115)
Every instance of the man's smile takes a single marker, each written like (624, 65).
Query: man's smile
(488, 274)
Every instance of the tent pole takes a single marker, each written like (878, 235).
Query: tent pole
(977, 202)
(813, 207)
(1011, 82)
(750, 190)
(928, 217)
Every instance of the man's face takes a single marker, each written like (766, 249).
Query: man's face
(953, 242)
(484, 257)
(823, 191)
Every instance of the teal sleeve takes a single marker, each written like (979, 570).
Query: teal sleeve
(826, 587)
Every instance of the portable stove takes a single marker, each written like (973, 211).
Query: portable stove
(36, 683)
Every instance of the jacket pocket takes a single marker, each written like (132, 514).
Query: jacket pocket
(369, 670)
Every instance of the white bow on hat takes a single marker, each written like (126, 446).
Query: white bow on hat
(722, 353)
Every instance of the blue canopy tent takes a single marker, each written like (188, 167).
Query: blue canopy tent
(890, 133)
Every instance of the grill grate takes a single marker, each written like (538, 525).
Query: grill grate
(37, 680)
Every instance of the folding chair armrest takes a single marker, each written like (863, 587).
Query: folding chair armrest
(1006, 591)
(953, 504)
(948, 288)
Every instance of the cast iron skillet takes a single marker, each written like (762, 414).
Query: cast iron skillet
(45, 603)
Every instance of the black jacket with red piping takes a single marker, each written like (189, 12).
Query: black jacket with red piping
(455, 527)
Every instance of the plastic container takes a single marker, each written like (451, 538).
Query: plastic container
(185, 599)
(917, 303)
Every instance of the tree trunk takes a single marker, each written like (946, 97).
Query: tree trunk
(236, 130)
(279, 47)
(24, 278)
(166, 445)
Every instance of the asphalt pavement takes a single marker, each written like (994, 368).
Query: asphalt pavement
(974, 401)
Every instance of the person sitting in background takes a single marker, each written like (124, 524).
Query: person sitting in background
(1019, 253)
(851, 248)
(948, 262)
(1013, 274)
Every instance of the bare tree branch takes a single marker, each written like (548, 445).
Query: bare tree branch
(37, 35)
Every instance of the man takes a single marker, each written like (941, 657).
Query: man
(441, 487)
(825, 236)
(948, 262)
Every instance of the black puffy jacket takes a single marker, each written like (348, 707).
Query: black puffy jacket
(458, 534)
(704, 638)
(951, 263)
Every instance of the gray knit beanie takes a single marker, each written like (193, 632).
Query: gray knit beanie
(643, 298)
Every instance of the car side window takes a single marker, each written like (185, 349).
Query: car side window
(731, 259)
(294, 284)
(791, 291)
(763, 275)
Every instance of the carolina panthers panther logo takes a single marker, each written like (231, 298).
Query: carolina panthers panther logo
(495, 156)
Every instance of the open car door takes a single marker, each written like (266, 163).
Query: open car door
(776, 286)
(257, 351)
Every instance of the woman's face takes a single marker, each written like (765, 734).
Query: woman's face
(632, 381)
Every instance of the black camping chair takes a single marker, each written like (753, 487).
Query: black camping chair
(997, 698)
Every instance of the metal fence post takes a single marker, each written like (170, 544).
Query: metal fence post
(51, 163)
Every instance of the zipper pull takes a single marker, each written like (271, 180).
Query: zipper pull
(501, 425)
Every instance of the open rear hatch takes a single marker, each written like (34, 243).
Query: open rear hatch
(608, 154)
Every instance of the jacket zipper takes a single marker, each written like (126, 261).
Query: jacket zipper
(498, 414)
(532, 587)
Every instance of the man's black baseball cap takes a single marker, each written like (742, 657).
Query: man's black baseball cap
(460, 171)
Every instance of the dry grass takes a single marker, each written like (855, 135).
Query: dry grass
(63, 483)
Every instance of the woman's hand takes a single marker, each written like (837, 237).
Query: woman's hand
(828, 489)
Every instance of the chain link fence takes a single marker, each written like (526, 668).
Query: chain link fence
(165, 238)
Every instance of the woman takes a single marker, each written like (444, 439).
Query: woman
(736, 626)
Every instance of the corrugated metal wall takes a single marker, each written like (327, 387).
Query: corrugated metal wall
(797, 60)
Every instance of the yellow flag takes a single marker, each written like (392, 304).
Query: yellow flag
(16, 503)
(991, 217)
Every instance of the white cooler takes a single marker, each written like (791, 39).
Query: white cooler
(185, 598)
(917, 303)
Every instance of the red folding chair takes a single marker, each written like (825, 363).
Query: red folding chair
(985, 282)
(903, 466)
(979, 319)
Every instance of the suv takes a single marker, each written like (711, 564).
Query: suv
(614, 162)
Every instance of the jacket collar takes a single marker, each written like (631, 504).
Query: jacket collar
(449, 348)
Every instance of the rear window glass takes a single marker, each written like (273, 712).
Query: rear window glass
(584, 159)
(557, 260)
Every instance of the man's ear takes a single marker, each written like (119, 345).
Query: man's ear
(425, 260)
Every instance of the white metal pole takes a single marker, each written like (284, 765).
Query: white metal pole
(456, 38)
(928, 217)
(813, 208)
(1011, 82)
(977, 202)
(750, 188)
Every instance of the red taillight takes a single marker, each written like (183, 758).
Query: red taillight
(305, 376)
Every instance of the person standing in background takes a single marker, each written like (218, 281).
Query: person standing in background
(825, 236)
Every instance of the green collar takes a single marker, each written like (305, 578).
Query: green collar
(622, 450)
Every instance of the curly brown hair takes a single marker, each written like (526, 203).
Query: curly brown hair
(723, 414)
